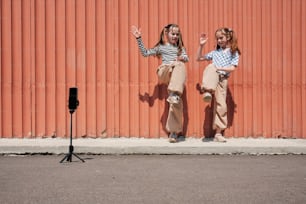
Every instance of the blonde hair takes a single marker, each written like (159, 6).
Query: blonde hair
(231, 35)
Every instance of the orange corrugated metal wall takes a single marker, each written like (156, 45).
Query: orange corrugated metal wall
(48, 46)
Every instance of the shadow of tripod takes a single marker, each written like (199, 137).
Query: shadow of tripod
(73, 104)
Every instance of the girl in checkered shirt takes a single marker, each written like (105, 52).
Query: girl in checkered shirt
(224, 59)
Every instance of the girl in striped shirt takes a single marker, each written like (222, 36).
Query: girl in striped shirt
(224, 60)
(172, 72)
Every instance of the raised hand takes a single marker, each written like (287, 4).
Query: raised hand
(136, 32)
(203, 39)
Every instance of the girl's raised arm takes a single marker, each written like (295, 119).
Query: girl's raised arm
(203, 40)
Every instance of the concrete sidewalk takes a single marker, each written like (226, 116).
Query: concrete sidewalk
(153, 146)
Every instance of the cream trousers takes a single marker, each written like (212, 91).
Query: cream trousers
(174, 76)
(216, 84)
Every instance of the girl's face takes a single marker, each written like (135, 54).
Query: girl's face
(173, 35)
(222, 40)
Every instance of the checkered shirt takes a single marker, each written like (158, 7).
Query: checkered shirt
(223, 58)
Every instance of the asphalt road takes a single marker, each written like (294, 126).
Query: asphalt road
(41, 179)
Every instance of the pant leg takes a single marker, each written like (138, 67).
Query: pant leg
(178, 78)
(220, 106)
(174, 75)
(210, 78)
(164, 73)
(175, 118)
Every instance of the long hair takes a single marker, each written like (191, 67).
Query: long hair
(231, 35)
(165, 31)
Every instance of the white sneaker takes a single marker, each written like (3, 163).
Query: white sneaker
(173, 98)
(207, 97)
(219, 138)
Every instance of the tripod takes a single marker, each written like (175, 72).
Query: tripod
(68, 156)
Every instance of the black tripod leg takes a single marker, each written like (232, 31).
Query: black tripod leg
(69, 155)
(66, 157)
(78, 157)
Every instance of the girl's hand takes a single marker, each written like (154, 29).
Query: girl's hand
(136, 32)
(180, 58)
(203, 39)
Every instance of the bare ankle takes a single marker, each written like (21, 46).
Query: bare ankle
(218, 130)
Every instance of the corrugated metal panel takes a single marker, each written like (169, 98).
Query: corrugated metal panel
(48, 46)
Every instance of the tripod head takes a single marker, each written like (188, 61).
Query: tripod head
(73, 99)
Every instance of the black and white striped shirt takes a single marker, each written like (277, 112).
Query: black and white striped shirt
(168, 52)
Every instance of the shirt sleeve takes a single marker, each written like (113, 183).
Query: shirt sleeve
(235, 59)
(184, 55)
(209, 56)
(144, 51)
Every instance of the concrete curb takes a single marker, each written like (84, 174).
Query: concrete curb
(190, 146)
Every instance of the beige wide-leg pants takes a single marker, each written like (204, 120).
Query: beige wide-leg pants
(216, 84)
(174, 75)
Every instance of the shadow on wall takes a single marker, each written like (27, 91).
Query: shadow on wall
(209, 109)
(160, 93)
